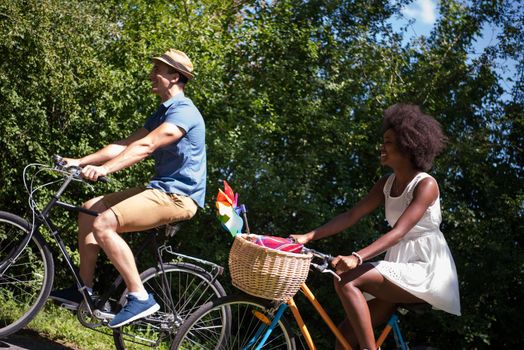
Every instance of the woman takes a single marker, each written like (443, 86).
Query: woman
(418, 266)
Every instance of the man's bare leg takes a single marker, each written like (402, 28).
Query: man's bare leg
(105, 227)
(87, 245)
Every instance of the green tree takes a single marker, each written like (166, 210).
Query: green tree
(292, 92)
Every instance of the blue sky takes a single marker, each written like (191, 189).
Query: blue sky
(425, 13)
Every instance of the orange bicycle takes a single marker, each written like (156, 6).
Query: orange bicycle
(261, 324)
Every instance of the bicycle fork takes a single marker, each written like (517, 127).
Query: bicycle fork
(393, 326)
(266, 327)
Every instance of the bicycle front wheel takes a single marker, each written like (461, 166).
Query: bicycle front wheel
(205, 329)
(180, 291)
(25, 283)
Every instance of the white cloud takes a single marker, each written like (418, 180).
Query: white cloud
(423, 10)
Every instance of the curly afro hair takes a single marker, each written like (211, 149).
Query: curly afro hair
(418, 134)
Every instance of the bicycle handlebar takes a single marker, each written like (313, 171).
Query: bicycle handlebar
(325, 260)
(76, 171)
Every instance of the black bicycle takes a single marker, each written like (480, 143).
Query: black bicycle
(179, 283)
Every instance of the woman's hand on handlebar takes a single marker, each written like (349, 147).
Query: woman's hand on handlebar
(302, 239)
(344, 263)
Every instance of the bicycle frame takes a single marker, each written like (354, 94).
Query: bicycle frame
(42, 219)
(180, 283)
(391, 325)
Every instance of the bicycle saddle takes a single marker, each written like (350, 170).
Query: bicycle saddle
(419, 309)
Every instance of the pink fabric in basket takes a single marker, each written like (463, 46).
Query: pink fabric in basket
(279, 243)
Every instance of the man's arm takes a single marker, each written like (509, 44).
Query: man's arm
(108, 152)
(137, 150)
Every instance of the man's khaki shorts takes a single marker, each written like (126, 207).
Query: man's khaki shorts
(140, 208)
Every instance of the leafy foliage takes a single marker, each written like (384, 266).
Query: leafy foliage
(292, 92)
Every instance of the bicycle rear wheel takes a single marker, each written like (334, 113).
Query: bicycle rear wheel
(180, 291)
(205, 329)
(26, 283)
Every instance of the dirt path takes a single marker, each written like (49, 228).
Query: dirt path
(28, 340)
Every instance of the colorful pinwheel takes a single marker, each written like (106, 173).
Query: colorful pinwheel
(228, 210)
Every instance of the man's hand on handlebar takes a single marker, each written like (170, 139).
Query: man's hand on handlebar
(89, 172)
(71, 161)
(93, 172)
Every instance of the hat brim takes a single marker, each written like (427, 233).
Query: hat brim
(182, 71)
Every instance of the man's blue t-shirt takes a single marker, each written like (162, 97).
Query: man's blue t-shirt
(181, 166)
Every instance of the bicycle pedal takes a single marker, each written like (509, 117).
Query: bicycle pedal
(69, 307)
(103, 315)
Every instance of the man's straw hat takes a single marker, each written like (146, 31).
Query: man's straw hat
(178, 60)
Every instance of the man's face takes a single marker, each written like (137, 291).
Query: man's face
(161, 80)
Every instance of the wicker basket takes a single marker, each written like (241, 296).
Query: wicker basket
(264, 272)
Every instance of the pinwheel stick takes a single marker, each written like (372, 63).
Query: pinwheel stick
(244, 215)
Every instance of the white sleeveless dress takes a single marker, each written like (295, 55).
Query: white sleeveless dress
(421, 262)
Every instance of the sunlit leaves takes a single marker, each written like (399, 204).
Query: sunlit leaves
(292, 93)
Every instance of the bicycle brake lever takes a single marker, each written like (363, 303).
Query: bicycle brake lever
(59, 160)
(324, 268)
(333, 273)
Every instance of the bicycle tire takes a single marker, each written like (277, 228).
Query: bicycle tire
(191, 286)
(26, 284)
(203, 331)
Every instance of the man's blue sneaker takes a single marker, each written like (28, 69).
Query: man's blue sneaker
(134, 310)
(69, 298)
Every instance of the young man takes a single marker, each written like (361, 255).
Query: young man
(175, 137)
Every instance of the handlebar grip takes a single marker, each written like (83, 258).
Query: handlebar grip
(103, 179)
(59, 161)
(318, 254)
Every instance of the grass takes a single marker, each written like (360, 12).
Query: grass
(58, 324)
